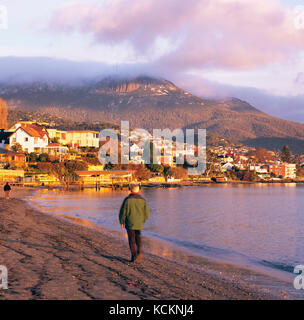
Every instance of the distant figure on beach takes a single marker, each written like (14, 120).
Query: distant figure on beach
(133, 214)
(7, 190)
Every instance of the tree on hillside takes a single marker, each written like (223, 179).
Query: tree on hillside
(300, 171)
(260, 155)
(75, 165)
(168, 172)
(211, 163)
(57, 170)
(44, 166)
(179, 172)
(286, 154)
(63, 174)
(33, 157)
(17, 148)
(110, 166)
(250, 176)
(141, 172)
(43, 157)
(155, 168)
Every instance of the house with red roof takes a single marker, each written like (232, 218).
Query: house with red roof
(57, 150)
(32, 137)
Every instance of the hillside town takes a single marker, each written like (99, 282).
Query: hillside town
(36, 154)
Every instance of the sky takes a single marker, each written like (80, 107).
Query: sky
(251, 49)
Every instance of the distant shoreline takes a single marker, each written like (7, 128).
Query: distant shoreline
(162, 185)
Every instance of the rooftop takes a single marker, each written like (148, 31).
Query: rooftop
(34, 130)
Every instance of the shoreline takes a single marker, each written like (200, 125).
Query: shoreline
(49, 257)
(162, 185)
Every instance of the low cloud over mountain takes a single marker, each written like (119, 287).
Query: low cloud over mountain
(154, 103)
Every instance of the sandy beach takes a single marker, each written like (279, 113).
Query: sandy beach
(48, 257)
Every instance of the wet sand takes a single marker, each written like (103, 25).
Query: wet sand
(51, 258)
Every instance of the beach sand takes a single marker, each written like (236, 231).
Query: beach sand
(48, 257)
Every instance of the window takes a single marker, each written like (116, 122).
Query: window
(35, 140)
(26, 139)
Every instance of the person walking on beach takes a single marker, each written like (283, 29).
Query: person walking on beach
(7, 190)
(134, 212)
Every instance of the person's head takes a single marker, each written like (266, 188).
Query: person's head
(134, 188)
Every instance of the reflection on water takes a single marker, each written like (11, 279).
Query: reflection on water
(258, 223)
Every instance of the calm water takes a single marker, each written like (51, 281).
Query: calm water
(253, 224)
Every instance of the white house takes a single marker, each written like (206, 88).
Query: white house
(31, 137)
(290, 170)
(227, 166)
(136, 154)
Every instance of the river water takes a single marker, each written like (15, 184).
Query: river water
(251, 224)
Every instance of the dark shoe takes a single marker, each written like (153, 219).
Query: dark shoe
(133, 259)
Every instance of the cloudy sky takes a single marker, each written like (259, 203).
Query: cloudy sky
(251, 49)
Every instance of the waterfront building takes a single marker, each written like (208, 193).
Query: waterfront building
(286, 170)
(58, 135)
(11, 176)
(31, 137)
(56, 150)
(12, 159)
(82, 138)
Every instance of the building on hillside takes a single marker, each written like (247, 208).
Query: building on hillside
(290, 170)
(58, 135)
(240, 166)
(226, 159)
(136, 154)
(74, 139)
(286, 170)
(12, 159)
(107, 177)
(56, 150)
(240, 158)
(167, 160)
(99, 167)
(4, 139)
(227, 167)
(19, 123)
(31, 137)
(11, 176)
(82, 138)
(275, 169)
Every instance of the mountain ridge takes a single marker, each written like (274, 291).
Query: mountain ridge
(154, 103)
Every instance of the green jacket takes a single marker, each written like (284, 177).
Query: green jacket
(134, 212)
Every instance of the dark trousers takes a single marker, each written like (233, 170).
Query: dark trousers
(134, 242)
